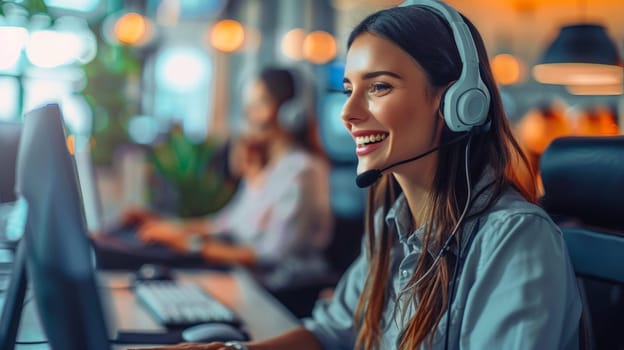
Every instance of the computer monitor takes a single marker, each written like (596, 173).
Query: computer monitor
(9, 142)
(88, 189)
(58, 255)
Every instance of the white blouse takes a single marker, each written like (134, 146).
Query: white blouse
(287, 216)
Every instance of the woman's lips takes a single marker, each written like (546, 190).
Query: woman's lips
(366, 149)
(368, 141)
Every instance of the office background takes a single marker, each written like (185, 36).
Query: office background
(136, 79)
(130, 74)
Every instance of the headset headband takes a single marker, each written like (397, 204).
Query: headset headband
(467, 101)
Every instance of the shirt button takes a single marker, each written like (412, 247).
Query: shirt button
(405, 273)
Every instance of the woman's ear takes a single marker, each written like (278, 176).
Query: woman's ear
(440, 95)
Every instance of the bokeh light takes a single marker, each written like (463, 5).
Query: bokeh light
(13, 40)
(143, 129)
(507, 69)
(132, 29)
(51, 48)
(182, 69)
(227, 35)
(319, 47)
(77, 5)
(77, 114)
(292, 44)
(603, 90)
(540, 126)
(71, 144)
(578, 74)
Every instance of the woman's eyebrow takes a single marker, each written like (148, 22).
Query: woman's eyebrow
(378, 73)
(375, 74)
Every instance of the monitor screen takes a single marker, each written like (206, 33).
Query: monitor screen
(59, 257)
(9, 141)
(337, 140)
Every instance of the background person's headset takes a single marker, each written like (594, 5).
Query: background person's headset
(467, 101)
(293, 113)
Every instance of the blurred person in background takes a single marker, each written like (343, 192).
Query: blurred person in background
(279, 221)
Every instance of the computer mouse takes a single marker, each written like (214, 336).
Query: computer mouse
(208, 332)
(153, 272)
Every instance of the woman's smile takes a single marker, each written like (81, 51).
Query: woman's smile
(368, 141)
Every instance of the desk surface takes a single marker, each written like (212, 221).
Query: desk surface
(235, 289)
(263, 315)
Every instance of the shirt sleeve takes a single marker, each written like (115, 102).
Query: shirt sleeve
(525, 294)
(332, 320)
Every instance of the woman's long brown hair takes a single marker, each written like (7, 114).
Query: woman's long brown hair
(428, 39)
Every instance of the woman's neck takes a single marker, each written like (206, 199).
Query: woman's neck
(278, 147)
(416, 186)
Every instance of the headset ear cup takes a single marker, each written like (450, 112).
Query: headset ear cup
(472, 107)
(465, 107)
(450, 111)
(291, 115)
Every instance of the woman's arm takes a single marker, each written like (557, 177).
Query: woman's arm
(173, 233)
(524, 295)
(300, 339)
(219, 252)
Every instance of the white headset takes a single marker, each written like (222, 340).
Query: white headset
(294, 112)
(467, 100)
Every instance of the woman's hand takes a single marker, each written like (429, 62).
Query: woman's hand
(137, 216)
(166, 232)
(225, 253)
(199, 226)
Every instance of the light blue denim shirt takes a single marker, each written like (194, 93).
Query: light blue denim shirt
(516, 289)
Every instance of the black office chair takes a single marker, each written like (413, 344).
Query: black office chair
(583, 181)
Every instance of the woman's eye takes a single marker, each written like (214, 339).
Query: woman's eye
(347, 91)
(380, 89)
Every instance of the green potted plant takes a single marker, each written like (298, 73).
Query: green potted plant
(192, 170)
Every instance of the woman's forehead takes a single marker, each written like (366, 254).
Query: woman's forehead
(369, 50)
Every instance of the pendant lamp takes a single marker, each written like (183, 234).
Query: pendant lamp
(582, 54)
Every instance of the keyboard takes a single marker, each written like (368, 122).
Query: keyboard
(179, 305)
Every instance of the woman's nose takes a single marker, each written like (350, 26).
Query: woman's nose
(354, 111)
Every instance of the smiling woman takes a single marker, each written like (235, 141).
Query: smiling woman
(456, 252)
(378, 85)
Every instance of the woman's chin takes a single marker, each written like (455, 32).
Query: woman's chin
(365, 166)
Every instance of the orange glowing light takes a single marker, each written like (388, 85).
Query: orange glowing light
(292, 44)
(71, 144)
(131, 28)
(611, 89)
(598, 121)
(227, 35)
(578, 74)
(319, 47)
(540, 127)
(507, 69)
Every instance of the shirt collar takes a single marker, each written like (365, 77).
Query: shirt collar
(399, 216)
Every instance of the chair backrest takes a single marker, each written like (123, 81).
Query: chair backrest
(583, 181)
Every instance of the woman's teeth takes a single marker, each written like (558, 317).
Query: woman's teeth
(362, 141)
